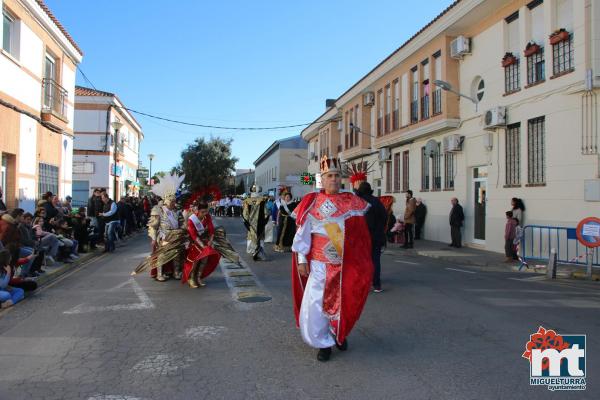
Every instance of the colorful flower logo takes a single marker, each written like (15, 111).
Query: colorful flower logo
(544, 339)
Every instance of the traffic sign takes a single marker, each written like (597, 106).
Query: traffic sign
(588, 232)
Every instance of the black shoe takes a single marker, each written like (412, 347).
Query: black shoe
(324, 354)
(451, 245)
(343, 346)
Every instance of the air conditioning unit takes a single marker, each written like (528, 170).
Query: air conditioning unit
(369, 99)
(460, 47)
(385, 155)
(452, 143)
(494, 117)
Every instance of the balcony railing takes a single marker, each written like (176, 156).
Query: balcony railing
(54, 97)
(437, 101)
(425, 107)
(387, 123)
(414, 111)
(395, 120)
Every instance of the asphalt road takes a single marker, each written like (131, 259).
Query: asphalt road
(438, 331)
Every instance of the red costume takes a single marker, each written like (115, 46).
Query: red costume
(200, 230)
(334, 238)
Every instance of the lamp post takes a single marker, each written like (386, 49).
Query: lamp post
(150, 157)
(116, 126)
(448, 87)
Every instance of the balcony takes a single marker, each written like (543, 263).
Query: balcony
(54, 102)
(437, 101)
(425, 107)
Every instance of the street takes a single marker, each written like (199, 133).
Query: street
(438, 331)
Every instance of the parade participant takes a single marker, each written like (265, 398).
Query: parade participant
(332, 267)
(255, 216)
(285, 223)
(202, 258)
(165, 231)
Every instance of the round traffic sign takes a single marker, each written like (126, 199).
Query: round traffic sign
(588, 232)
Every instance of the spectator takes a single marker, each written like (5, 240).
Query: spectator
(8, 295)
(68, 205)
(409, 219)
(376, 220)
(64, 233)
(457, 218)
(2, 205)
(509, 237)
(518, 209)
(27, 239)
(9, 236)
(111, 220)
(420, 213)
(49, 242)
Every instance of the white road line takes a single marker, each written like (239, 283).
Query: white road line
(461, 270)
(406, 262)
(144, 304)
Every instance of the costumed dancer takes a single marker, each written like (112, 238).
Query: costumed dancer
(202, 258)
(332, 267)
(166, 232)
(255, 216)
(285, 223)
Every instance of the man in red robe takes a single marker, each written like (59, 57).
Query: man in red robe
(332, 267)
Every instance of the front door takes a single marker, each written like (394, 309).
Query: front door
(480, 200)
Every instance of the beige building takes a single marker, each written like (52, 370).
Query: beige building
(38, 60)
(525, 124)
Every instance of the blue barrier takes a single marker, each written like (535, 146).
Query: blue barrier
(538, 240)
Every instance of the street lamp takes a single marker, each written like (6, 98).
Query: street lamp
(448, 87)
(150, 157)
(116, 126)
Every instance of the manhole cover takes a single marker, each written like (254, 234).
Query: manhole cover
(253, 297)
(244, 284)
(234, 266)
(240, 273)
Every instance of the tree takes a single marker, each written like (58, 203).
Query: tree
(241, 188)
(207, 163)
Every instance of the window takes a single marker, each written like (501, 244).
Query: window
(536, 151)
(405, 171)
(9, 33)
(396, 113)
(388, 177)
(388, 107)
(449, 171)
(424, 170)
(425, 90)
(347, 143)
(437, 93)
(356, 125)
(480, 89)
(511, 70)
(397, 172)
(379, 112)
(513, 155)
(535, 67)
(437, 170)
(48, 179)
(562, 44)
(414, 104)
(511, 78)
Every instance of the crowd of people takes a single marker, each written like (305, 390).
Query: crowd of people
(58, 232)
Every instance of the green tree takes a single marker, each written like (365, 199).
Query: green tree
(207, 163)
(241, 188)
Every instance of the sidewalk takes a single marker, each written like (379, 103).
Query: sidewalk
(485, 260)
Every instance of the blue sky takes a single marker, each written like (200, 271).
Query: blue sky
(233, 63)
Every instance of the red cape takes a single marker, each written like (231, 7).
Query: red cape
(195, 253)
(357, 270)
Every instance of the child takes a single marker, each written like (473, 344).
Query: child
(509, 237)
(8, 295)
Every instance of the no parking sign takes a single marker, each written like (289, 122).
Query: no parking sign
(588, 232)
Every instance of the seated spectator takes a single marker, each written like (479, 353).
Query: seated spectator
(27, 239)
(49, 242)
(83, 231)
(63, 230)
(8, 295)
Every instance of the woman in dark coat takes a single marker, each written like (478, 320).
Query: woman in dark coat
(286, 224)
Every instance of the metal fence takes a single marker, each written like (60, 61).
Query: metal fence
(539, 240)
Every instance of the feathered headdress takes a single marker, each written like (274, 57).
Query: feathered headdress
(210, 193)
(167, 187)
(358, 171)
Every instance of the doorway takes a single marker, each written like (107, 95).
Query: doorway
(480, 175)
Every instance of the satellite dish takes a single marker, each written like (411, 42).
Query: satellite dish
(431, 148)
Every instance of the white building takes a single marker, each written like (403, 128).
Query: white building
(38, 60)
(281, 166)
(94, 155)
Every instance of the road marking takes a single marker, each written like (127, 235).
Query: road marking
(162, 364)
(144, 304)
(113, 397)
(202, 332)
(406, 262)
(461, 270)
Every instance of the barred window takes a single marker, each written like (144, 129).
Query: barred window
(535, 67)
(405, 171)
(536, 149)
(397, 172)
(48, 179)
(449, 171)
(437, 169)
(511, 77)
(562, 56)
(437, 101)
(513, 155)
(388, 177)
(424, 170)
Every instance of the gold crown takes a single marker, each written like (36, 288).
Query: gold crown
(330, 165)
